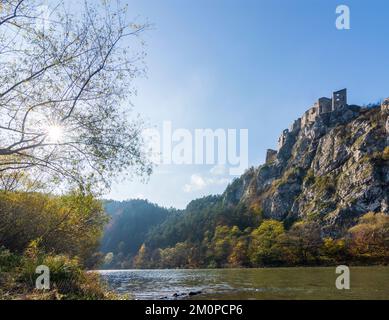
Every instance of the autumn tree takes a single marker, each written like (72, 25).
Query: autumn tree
(265, 246)
(369, 239)
(142, 258)
(303, 242)
(20, 180)
(177, 256)
(221, 245)
(65, 84)
(70, 224)
(334, 250)
(239, 255)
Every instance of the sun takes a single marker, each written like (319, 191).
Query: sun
(54, 133)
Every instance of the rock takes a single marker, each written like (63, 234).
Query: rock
(385, 107)
(184, 295)
(330, 170)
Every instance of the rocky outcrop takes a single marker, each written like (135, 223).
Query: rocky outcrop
(332, 170)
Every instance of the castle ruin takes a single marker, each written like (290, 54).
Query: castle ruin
(271, 155)
(321, 106)
(385, 112)
(339, 99)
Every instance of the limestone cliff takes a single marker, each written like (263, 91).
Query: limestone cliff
(331, 170)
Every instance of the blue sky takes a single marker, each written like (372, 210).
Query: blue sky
(249, 64)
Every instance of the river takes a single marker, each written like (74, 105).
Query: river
(225, 284)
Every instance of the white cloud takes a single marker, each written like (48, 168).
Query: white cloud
(140, 196)
(218, 170)
(197, 183)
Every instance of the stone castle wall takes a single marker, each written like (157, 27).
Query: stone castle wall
(339, 99)
(385, 112)
(271, 156)
(321, 106)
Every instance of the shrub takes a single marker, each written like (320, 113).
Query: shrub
(8, 260)
(368, 241)
(70, 225)
(302, 243)
(334, 250)
(67, 277)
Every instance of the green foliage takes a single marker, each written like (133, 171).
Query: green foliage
(8, 260)
(178, 256)
(334, 250)
(205, 214)
(265, 246)
(61, 233)
(68, 280)
(239, 253)
(206, 236)
(271, 245)
(70, 224)
(130, 223)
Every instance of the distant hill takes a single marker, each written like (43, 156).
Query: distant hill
(129, 225)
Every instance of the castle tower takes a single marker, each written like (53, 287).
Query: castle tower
(282, 139)
(324, 105)
(271, 156)
(339, 99)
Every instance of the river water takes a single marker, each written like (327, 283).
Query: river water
(224, 284)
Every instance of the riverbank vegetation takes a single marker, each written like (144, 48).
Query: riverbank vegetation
(59, 232)
(271, 245)
(215, 238)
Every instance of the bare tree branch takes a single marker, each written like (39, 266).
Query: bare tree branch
(73, 74)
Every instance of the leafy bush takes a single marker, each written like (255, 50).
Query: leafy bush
(369, 239)
(8, 260)
(61, 233)
(71, 225)
(68, 280)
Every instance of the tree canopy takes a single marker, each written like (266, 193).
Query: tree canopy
(65, 87)
(208, 235)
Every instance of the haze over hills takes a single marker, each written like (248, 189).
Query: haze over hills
(307, 204)
(129, 225)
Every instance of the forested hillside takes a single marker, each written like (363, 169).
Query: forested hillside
(130, 223)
